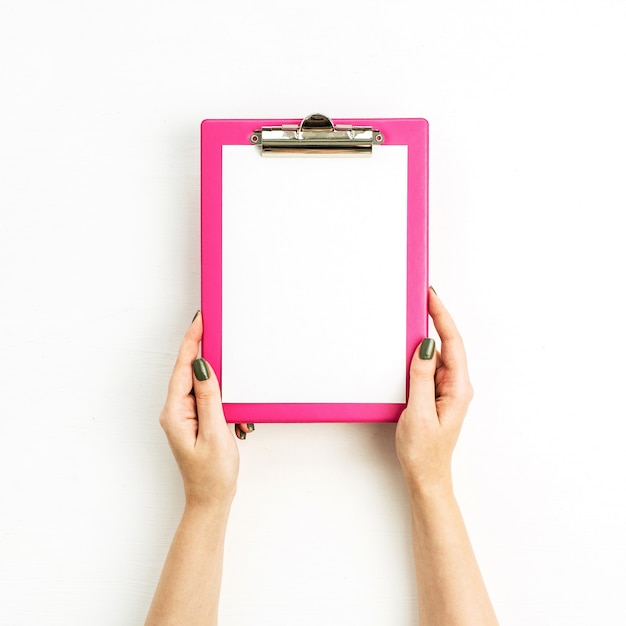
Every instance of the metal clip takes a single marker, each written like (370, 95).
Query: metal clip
(316, 135)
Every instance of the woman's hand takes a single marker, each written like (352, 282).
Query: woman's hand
(439, 395)
(193, 420)
(449, 584)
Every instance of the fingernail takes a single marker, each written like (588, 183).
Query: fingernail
(431, 287)
(427, 349)
(241, 434)
(201, 369)
(196, 315)
(250, 427)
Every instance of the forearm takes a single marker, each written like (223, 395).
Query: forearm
(451, 590)
(189, 587)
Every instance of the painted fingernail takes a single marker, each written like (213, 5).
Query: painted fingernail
(427, 349)
(251, 427)
(241, 434)
(201, 369)
(196, 315)
(433, 290)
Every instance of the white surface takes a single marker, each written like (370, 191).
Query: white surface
(99, 255)
(314, 259)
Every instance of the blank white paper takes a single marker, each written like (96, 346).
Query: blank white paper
(314, 277)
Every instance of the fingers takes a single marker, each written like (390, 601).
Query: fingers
(446, 328)
(422, 379)
(453, 357)
(452, 348)
(241, 430)
(208, 398)
(209, 401)
(181, 381)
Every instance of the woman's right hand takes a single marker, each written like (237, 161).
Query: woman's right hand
(439, 395)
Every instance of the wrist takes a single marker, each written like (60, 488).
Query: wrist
(432, 504)
(209, 501)
(205, 494)
(423, 489)
(207, 511)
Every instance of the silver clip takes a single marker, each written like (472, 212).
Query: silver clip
(316, 135)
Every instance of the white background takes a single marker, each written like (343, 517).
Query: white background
(99, 263)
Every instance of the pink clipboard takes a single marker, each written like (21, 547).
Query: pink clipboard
(218, 164)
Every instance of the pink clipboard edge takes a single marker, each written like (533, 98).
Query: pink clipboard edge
(412, 132)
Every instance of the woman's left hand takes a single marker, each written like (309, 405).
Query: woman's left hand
(193, 420)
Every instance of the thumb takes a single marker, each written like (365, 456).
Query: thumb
(208, 397)
(422, 379)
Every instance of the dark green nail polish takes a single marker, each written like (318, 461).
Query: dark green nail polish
(241, 434)
(201, 369)
(433, 290)
(427, 349)
(251, 427)
(196, 315)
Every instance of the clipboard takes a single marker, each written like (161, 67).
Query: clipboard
(314, 266)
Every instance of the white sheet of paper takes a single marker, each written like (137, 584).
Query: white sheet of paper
(314, 277)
